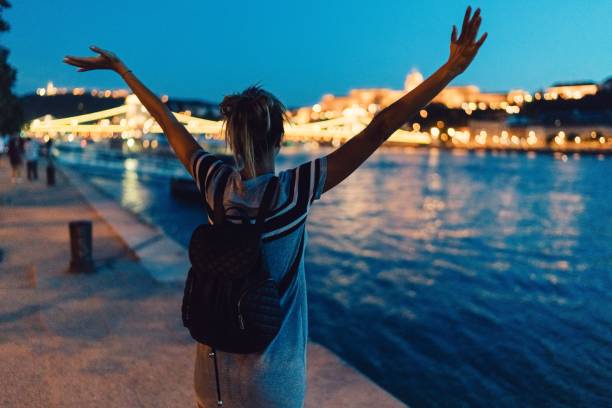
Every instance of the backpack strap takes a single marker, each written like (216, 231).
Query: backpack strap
(219, 212)
(286, 280)
(266, 201)
(243, 214)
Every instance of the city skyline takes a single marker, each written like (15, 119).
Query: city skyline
(310, 54)
(412, 79)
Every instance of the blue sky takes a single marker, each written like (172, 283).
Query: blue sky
(299, 51)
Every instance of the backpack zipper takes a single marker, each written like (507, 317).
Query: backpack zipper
(213, 355)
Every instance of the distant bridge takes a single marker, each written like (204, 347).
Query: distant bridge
(132, 120)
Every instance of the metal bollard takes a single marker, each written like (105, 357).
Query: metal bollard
(81, 246)
(50, 175)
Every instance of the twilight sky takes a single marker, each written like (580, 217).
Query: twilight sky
(299, 51)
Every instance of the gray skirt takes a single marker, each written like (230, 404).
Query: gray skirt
(249, 380)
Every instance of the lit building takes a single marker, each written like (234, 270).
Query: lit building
(469, 98)
(52, 90)
(571, 90)
(455, 97)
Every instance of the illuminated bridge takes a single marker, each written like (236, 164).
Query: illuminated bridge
(132, 121)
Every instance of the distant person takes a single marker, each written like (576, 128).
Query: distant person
(31, 157)
(15, 154)
(49, 150)
(254, 130)
(2, 145)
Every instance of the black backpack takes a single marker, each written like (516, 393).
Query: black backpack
(231, 302)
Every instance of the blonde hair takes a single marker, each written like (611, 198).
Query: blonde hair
(253, 126)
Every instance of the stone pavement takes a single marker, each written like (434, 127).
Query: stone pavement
(112, 338)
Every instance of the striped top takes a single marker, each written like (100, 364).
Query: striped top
(277, 376)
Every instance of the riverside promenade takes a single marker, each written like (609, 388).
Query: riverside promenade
(112, 338)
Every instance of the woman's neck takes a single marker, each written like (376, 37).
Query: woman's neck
(260, 169)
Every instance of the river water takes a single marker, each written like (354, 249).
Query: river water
(449, 278)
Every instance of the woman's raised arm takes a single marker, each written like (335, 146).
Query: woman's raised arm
(180, 139)
(348, 157)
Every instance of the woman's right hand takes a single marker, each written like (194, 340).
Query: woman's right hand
(464, 48)
(105, 60)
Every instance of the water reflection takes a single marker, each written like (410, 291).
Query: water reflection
(473, 273)
(131, 191)
(469, 250)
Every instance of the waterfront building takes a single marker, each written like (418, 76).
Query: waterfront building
(460, 116)
(570, 90)
(455, 97)
(370, 100)
(52, 90)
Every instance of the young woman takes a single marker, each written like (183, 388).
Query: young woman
(15, 154)
(254, 131)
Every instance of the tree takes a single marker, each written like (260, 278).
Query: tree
(11, 115)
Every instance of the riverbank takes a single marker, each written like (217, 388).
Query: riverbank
(112, 338)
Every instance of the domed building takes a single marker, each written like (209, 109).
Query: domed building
(413, 79)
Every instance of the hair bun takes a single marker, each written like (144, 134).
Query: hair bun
(246, 100)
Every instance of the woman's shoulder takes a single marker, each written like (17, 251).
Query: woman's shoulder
(306, 181)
